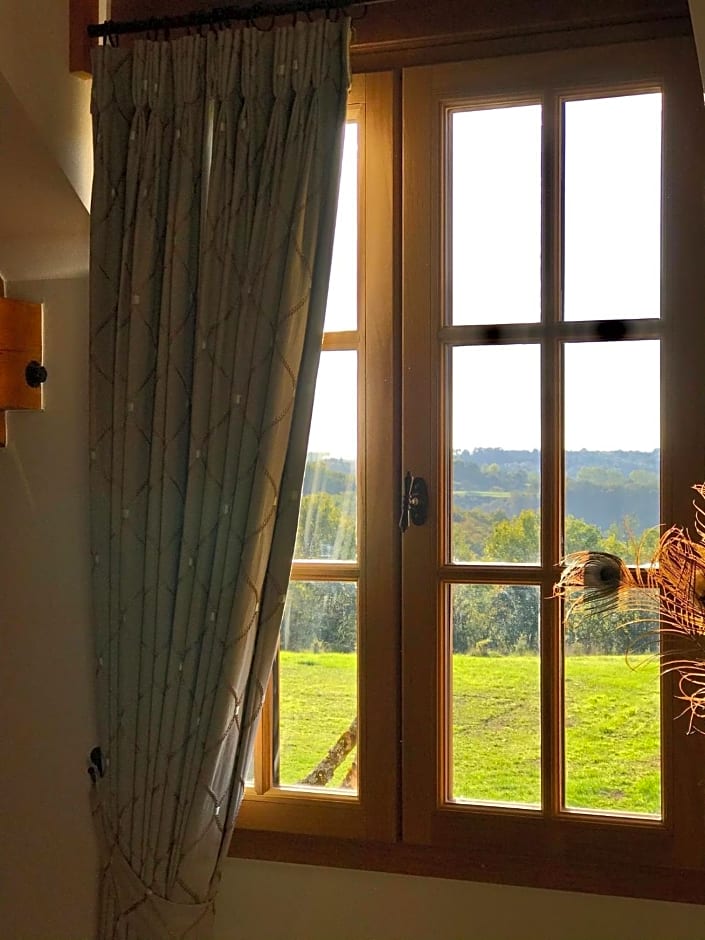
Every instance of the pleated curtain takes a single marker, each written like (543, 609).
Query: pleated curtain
(217, 163)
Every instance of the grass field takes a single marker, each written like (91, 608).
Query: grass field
(612, 731)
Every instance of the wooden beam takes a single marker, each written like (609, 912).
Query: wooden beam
(81, 14)
(20, 343)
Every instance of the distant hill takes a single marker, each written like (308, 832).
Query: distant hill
(603, 487)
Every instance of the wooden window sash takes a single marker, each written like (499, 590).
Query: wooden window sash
(571, 851)
(428, 818)
(372, 813)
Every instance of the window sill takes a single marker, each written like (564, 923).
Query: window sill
(643, 881)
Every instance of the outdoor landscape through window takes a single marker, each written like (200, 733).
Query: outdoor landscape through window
(611, 475)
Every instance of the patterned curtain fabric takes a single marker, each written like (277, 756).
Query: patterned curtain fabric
(217, 161)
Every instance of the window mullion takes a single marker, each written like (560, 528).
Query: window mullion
(264, 741)
(552, 452)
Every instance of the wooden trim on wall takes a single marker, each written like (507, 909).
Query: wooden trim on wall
(81, 14)
(403, 33)
(643, 879)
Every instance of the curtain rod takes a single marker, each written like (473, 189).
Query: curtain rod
(220, 15)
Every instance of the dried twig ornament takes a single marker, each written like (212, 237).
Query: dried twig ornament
(669, 590)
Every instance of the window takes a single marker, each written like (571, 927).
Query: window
(336, 675)
(545, 356)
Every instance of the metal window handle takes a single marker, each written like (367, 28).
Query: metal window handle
(414, 502)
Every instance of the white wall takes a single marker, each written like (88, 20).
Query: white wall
(267, 901)
(47, 853)
(34, 44)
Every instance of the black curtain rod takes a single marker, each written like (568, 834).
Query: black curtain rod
(218, 15)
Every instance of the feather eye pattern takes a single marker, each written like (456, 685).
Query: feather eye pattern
(670, 590)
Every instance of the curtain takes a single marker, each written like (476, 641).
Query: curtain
(217, 162)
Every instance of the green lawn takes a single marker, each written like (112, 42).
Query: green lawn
(612, 734)
(317, 702)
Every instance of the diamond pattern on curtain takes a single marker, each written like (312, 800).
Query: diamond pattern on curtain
(217, 161)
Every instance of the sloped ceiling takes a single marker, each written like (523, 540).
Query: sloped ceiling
(697, 17)
(43, 223)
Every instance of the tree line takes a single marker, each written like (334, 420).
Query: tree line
(486, 619)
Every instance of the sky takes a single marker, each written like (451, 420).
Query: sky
(612, 269)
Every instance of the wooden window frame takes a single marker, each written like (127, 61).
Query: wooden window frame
(411, 829)
(552, 836)
(372, 813)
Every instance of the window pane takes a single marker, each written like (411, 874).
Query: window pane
(612, 207)
(328, 514)
(612, 432)
(341, 309)
(612, 713)
(612, 723)
(316, 731)
(495, 694)
(496, 215)
(496, 452)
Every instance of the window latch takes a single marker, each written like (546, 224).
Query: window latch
(414, 502)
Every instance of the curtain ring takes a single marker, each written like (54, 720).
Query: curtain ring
(364, 9)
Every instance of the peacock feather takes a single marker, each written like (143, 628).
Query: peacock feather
(668, 590)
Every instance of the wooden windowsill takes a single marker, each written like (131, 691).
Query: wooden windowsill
(643, 881)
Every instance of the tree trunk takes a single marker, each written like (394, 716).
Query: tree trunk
(323, 772)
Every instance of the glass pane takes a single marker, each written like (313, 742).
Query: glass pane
(328, 514)
(316, 737)
(612, 714)
(341, 309)
(612, 436)
(495, 694)
(612, 460)
(496, 454)
(612, 206)
(496, 215)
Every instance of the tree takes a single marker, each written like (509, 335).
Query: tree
(515, 540)
(581, 536)
(320, 615)
(326, 527)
